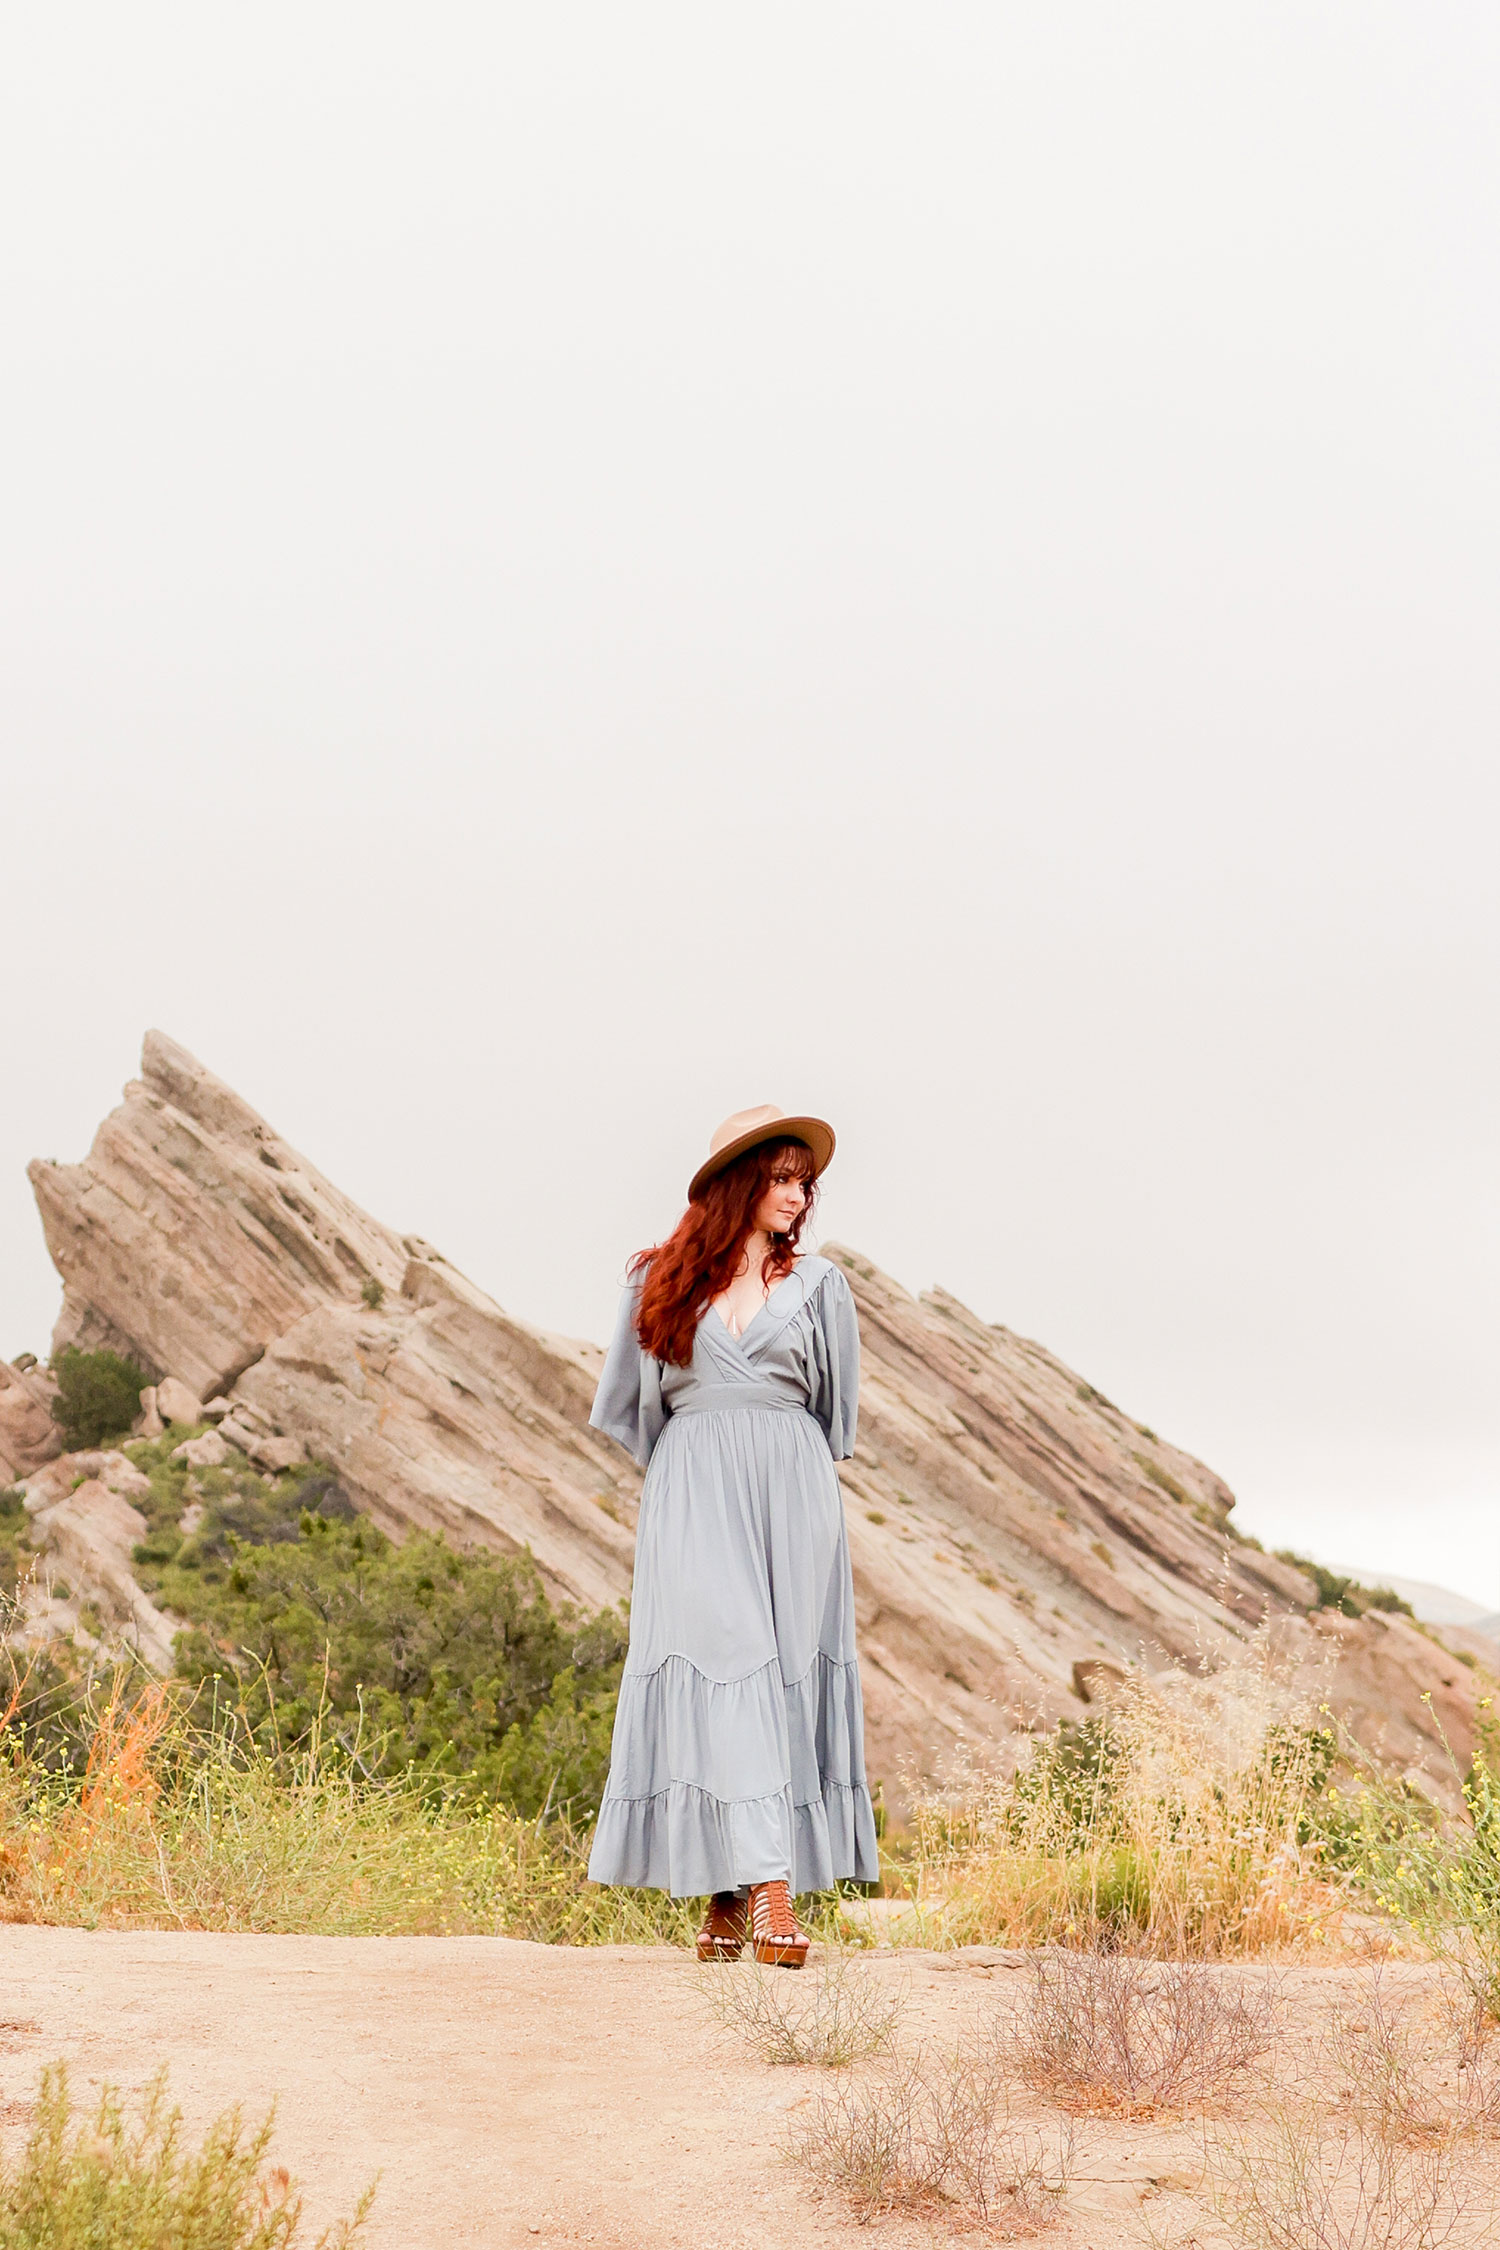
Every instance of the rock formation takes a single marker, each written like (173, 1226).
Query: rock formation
(28, 1434)
(1016, 1536)
(197, 1242)
(85, 1524)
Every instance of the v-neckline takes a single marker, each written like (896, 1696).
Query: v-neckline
(764, 1307)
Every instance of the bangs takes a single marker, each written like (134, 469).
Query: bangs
(795, 1156)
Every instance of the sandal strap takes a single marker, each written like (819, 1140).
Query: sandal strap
(725, 1917)
(772, 1914)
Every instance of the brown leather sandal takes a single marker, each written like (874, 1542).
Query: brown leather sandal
(778, 1940)
(722, 1936)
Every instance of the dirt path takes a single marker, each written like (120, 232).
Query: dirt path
(513, 2094)
(506, 2093)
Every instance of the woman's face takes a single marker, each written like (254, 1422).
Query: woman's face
(783, 1203)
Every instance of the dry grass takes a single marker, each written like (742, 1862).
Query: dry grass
(1374, 2147)
(1106, 2035)
(1296, 2182)
(933, 2133)
(836, 2011)
(173, 1825)
(1183, 1835)
(1409, 2072)
(112, 2183)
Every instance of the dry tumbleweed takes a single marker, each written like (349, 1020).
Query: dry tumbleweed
(1110, 2034)
(929, 2131)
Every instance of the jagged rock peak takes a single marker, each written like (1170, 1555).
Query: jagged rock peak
(196, 1239)
(193, 1235)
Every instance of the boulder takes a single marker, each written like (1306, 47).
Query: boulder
(148, 1423)
(28, 1434)
(210, 1451)
(58, 1477)
(273, 1454)
(176, 1403)
(1095, 1681)
(86, 1536)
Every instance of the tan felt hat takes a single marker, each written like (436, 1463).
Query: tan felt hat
(749, 1127)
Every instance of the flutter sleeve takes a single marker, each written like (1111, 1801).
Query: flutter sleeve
(628, 1403)
(835, 1363)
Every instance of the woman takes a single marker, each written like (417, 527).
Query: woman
(738, 1760)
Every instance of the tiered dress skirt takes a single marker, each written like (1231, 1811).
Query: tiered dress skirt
(738, 1750)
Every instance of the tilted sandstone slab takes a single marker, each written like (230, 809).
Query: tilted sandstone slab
(1011, 1528)
(439, 1410)
(28, 1434)
(197, 1240)
(85, 1524)
(192, 1236)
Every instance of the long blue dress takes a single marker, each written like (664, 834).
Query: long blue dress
(738, 1751)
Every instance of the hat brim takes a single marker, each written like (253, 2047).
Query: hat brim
(818, 1135)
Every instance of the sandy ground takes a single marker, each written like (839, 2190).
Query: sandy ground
(513, 2094)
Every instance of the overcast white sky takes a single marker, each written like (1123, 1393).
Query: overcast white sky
(565, 570)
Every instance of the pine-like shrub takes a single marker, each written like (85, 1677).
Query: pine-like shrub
(98, 1396)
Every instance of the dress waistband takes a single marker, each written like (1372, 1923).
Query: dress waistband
(713, 1398)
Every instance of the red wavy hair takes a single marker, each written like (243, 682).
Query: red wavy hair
(701, 1255)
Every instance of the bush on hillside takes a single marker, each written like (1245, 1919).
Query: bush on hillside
(1346, 1595)
(418, 1658)
(422, 1655)
(98, 1396)
(17, 1555)
(50, 1688)
(1193, 1817)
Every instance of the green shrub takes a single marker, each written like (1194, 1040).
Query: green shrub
(1076, 1771)
(108, 2183)
(17, 1555)
(1183, 1819)
(453, 1663)
(98, 1396)
(372, 1293)
(420, 1659)
(559, 1757)
(1346, 1595)
(433, 1660)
